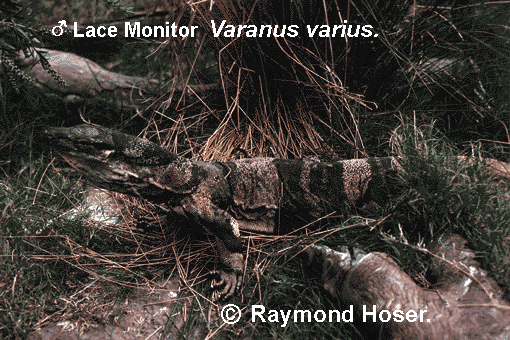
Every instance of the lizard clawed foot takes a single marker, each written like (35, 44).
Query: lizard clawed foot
(230, 281)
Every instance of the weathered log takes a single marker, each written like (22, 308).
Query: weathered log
(85, 79)
(467, 305)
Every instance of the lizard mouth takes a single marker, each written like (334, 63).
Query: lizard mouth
(112, 160)
(79, 143)
(109, 174)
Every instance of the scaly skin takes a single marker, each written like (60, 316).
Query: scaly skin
(252, 194)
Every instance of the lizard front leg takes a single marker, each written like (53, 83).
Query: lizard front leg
(226, 229)
(231, 277)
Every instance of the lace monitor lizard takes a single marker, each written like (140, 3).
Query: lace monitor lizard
(254, 194)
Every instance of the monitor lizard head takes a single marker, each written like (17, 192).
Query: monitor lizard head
(127, 164)
(87, 142)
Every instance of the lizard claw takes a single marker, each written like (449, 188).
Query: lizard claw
(230, 281)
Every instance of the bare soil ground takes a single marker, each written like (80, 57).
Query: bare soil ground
(148, 314)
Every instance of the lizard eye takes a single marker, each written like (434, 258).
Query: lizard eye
(104, 154)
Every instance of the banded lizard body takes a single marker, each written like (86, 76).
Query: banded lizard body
(254, 194)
